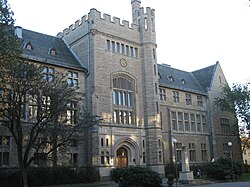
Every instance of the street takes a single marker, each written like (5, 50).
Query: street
(227, 184)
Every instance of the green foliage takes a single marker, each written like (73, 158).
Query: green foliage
(237, 100)
(6, 14)
(50, 176)
(10, 50)
(222, 169)
(135, 177)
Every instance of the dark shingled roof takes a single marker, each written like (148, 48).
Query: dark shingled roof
(42, 44)
(191, 83)
(205, 76)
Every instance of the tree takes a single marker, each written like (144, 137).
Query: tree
(42, 116)
(9, 48)
(237, 100)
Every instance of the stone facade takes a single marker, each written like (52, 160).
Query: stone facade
(133, 96)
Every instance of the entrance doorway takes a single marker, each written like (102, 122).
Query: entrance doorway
(122, 157)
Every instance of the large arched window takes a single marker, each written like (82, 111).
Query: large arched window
(123, 100)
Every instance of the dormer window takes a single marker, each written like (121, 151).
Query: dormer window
(52, 51)
(171, 78)
(28, 45)
(183, 81)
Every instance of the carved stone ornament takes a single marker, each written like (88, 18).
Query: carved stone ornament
(123, 62)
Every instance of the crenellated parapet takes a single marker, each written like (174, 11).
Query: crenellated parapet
(96, 20)
(74, 26)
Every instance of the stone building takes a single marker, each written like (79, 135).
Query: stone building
(142, 105)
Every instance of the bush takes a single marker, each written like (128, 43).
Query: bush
(222, 169)
(135, 177)
(43, 176)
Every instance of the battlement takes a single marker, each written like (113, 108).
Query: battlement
(149, 12)
(94, 16)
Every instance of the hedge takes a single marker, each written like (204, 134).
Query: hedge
(43, 176)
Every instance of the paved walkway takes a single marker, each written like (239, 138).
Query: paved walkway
(225, 184)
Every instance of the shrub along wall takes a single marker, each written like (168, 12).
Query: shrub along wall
(43, 176)
(135, 177)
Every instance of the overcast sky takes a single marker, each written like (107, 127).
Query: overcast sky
(191, 34)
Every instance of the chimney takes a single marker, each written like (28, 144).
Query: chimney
(19, 31)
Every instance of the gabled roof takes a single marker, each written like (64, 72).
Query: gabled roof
(182, 80)
(42, 44)
(205, 76)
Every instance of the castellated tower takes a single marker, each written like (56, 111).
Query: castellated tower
(121, 87)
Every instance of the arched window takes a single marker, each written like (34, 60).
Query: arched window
(107, 158)
(102, 157)
(123, 100)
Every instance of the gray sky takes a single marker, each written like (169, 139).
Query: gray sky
(191, 34)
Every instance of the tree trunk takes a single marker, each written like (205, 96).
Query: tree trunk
(23, 176)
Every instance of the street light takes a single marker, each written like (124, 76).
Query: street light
(176, 166)
(230, 144)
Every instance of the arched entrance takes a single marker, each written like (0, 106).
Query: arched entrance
(122, 157)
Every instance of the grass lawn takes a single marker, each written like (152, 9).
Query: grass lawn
(244, 177)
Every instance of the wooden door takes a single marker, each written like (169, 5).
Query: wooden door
(122, 158)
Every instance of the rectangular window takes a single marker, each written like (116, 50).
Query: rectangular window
(102, 142)
(186, 121)
(174, 120)
(6, 158)
(157, 107)
(33, 106)
(102, 158)
(160, 156)
(143, 143)
(162, 94)
(48, 73)
(176, 97)
(143, 157)
(156, 89)
(192, 154)
(225, 125)
(6, 140)
(203, 152)
(73, 79)
(180, 121)
(118, 47)
(127, 50)
(154, 54)
(204, 124)
(178, 151)
(113, 46)
(108, 45)
(123, 49)
(198, 122)
(199, 101)
(188, 99)
(135, 52)
(192, 119)
(71, 113)
(131, 51)
(107, 142)
(146, 23)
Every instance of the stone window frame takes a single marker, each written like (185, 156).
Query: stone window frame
(124, 113)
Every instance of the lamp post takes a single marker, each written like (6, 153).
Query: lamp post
(230, 144)
(176, 166)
